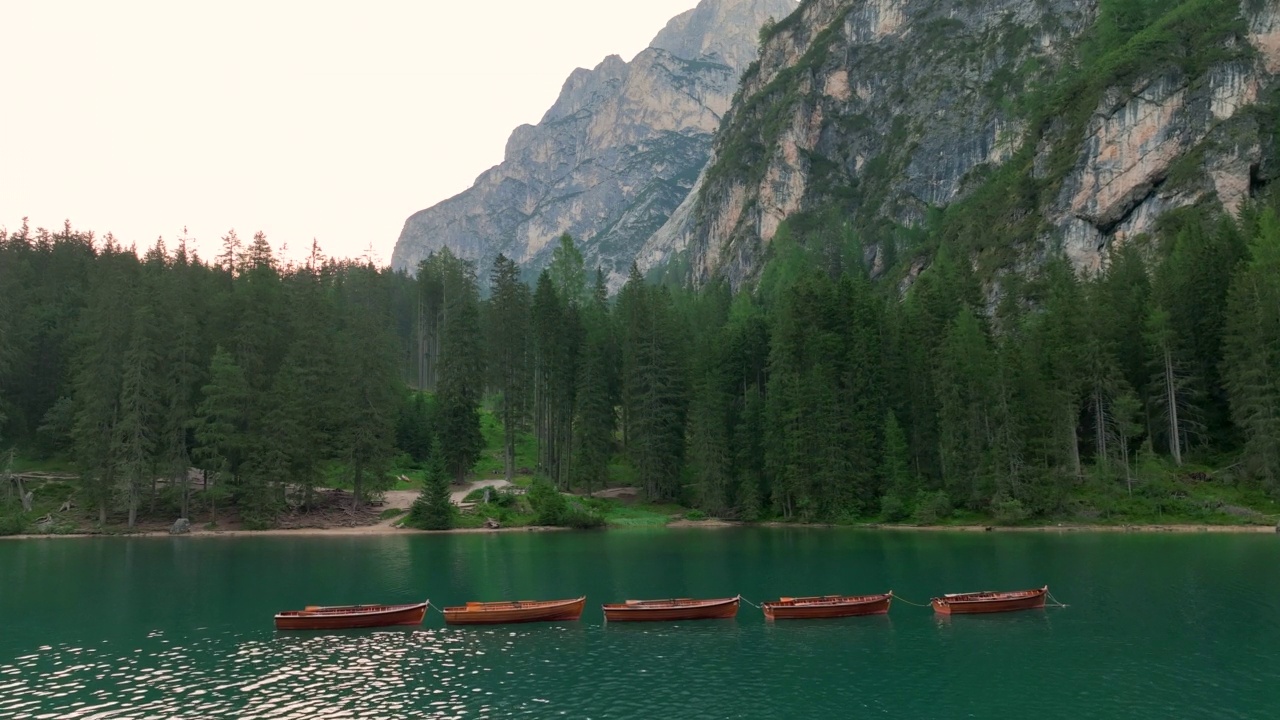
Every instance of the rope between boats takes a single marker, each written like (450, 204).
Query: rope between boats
(1055, 601)
(902, 599)
(431, 606)
(748, 602)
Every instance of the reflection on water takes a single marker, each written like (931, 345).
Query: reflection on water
(358, 674)
(1157, 628)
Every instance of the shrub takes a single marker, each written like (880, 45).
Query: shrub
(931, 507)
(548, 504)
(893, 509)
(15, 524)
(1007, 510)
(580, 518)
(695, 515)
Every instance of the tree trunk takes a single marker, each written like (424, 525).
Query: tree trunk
(1100, 427)
(1074, 444)
(1124, 457)
(24, 497)
(511, 451)
(1171, 398)
(357, 486)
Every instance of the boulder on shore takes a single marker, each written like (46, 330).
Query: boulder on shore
(181, 527)
(492, 524)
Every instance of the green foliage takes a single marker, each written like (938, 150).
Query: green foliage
(1008, 511)
(14, 524)
(433, 509)
(552, 509)
(893, 509)
(547, 502)
(932, 507)
(508, 351)
(1251, 353)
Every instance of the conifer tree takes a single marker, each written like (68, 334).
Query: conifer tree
(965, 394)
(557, 342)
(221, 427)
(898, 480)
(653, 387)
(371, 401)
(508, 320)
(595, 416)
(461, 374)
(1169, 384)
(1251, 362)
(102, 341)
(139, 412)
(433, 509)
(568, 272)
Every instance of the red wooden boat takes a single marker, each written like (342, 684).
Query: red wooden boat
(827, 606)
(674, 609)
(990, 602)
(518, 611)
(345, 617)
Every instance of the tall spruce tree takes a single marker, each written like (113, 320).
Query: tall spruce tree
(461, 373)
(221, 426)
(596, 395)
(433, 509)
(508, 334)
(1251, 361)
(653, 388)
(140, 412)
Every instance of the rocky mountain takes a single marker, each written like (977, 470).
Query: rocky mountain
(615, 155)
(1008, 128)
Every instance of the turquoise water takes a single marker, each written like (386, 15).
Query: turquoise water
(1157, 626)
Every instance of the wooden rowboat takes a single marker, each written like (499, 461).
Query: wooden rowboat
(827, 606)
(674, 609)
(345, 617)
(518, 611)
(990, 602)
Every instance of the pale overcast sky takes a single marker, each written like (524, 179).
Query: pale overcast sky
(298, 118)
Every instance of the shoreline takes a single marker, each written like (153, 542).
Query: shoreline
(361, 531)
(384, 530)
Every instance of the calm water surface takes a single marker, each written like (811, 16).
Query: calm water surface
(1158, 627)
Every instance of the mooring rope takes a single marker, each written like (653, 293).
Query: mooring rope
(899, 597)
(748, 602)
(1055, 601)
(432, 606)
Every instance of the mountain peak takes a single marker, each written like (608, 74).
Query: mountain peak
(725, 30)
(612, 158)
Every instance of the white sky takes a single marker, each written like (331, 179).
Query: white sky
(298, 118)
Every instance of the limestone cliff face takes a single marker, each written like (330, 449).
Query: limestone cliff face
(611, 160)
(888, 109)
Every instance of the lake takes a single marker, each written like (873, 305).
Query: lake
(1157, 626)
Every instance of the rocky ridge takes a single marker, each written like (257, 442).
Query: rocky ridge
(609, 162)
(883, 111)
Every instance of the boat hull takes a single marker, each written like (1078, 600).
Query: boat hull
(670, 610)
(981, 603)
(351, 618)
(817, 608)
(515, 612)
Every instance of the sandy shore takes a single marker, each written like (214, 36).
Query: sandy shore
(363, 531)
(713, 524)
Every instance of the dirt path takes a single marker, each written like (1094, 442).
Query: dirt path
(617, 493)
(460, 492)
